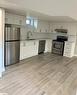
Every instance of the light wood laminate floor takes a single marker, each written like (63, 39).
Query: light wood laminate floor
(46, 74)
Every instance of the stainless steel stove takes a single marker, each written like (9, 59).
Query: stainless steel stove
(58, 45)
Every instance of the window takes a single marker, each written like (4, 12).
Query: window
(35, 23)
(31, 21)
(27, 21)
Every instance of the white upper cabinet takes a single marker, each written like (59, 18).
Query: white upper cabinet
(9, 18)
(54, 26)
(43, 26)
(38, 25)
(15, 19)
(19, 20)
(71, 27)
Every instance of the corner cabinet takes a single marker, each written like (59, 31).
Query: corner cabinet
(28, 49)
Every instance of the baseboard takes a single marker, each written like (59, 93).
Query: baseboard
(1, 72)
(0, 75)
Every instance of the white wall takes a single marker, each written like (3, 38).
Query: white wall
(2, 14)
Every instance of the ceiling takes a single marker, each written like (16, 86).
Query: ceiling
(52, 10)
(40, 16)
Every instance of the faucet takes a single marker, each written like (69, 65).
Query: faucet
(28, 34)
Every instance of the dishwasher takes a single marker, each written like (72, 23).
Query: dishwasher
(41, 46)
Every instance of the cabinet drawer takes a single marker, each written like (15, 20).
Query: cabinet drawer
(67, 52)
(67, 49)
(68, 45)
(68, 55)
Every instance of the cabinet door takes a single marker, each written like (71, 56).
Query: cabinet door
(23, 21)
(15, 19)
(19, 20)
(9, 19)
(48, 46)
(43, 26)
(22, 50)
(69, 49)
(28, 49)
(32, 48)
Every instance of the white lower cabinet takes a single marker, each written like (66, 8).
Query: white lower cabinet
(28, 49)
(69, 49)
(48, 45)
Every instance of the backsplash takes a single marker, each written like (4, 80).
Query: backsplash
(37, 35)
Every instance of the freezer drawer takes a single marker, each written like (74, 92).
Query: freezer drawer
(12, 52)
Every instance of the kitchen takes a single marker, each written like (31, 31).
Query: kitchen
(33, 31)
(38, 38)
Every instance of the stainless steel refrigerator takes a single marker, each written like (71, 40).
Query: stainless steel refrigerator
(12, 44)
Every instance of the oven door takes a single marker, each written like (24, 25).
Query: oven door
(57, 47)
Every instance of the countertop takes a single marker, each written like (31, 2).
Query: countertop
(35, 39)
(69, 41)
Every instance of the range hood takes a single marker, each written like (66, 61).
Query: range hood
(61, 30)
